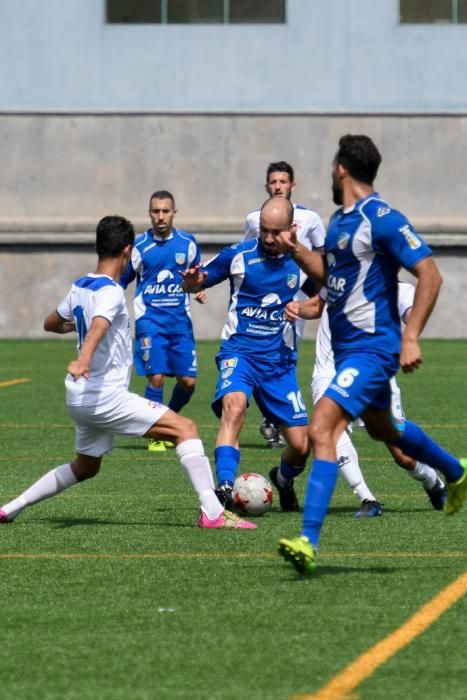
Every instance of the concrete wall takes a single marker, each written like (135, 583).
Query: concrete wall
(34, 282)
(64, 172)
(331, 55)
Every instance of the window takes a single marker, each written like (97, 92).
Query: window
(195, 11)
(433, 11)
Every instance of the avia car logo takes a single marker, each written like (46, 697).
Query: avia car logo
(164, 275)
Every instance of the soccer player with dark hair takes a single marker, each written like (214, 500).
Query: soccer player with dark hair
(366, 243)
(97, 395)
(164, 343)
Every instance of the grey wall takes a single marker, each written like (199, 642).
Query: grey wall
(331, 55)
(33, 283)
(61, 172)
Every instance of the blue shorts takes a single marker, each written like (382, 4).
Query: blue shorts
(170, 355)
(363, 380)
(274, 388)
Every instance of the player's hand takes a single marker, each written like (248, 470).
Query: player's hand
(201, 297)
(292, 311)
(78, 369)
(286, 241)
(193, 278)
(411, 355)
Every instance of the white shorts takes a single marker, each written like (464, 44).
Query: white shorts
(125, 414)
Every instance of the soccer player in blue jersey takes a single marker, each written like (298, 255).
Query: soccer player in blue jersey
(258, 352)
(97, 395)
(366, 243)
(280, 182)
(164, 343)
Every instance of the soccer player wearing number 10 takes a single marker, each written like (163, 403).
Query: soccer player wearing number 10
(366, 243)
(258, 349)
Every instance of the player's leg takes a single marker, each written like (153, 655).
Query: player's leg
(328, 422)
(91, 445)
(292, 464)
(347, 456)
(415, 443)
(227, 453)
(151, 360)
(349, 468)
(429, 479)
(136, 417)
(280, 400)
(233, 390)
(183, 365)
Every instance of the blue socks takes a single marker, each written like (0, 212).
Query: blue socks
(417, 444)
(179, 398)
(288, 473)
(227, 461)
(319, 490)
(154, 394)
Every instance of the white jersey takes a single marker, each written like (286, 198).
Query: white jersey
(110, 367)
(324, 362)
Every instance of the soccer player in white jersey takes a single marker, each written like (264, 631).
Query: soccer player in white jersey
(164, 343)
(258, 351)
(280, 182)
(347, 456)
(97, 395)
(366, 243)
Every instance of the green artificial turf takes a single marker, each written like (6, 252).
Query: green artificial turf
(109, 591)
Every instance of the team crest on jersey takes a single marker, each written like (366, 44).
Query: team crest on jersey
(231, 362)
(292, 281)
(343, 241)
(382, 211)
(411, 238)
(180, 258)
(146, 342)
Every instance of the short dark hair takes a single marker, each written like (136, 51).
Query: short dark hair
(358, 154)
(161, 194)
(281, 166)
(113, 234)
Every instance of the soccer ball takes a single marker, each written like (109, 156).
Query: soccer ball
(252, 494)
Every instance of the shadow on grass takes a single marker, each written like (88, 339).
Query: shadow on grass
(323, 570)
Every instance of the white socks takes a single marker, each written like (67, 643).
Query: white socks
(197, 466)
(52, 483)
(427, 475)
(347, 458)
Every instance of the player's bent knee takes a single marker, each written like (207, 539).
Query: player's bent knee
(86, 467)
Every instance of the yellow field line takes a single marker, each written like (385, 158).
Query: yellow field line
(224, 555)
(12, 382)
(366, 664)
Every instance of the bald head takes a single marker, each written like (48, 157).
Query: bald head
(276, 216)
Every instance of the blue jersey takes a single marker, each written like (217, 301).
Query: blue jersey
(260, 288)
(161, 305)
(365, 247)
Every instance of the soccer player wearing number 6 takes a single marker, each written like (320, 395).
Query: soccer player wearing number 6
(97, 395)
(258, 351)
(366, 243)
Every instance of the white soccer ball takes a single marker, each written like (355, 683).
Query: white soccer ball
(252, 494)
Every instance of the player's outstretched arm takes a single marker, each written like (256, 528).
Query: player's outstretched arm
(80, 367)
(193, 279)
(426, 294)
(54, 323)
